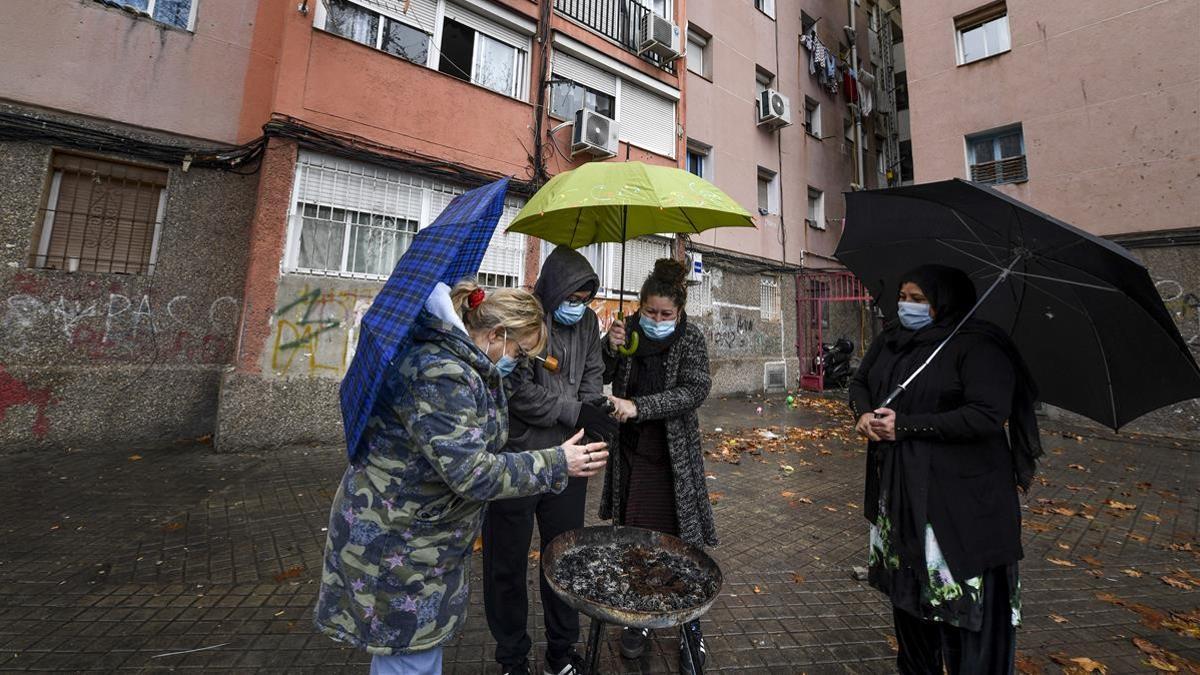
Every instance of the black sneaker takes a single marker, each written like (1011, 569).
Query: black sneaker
(521, 668)
(570, 663)
(685, 655)
(633, 642)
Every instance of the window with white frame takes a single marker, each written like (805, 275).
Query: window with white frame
(473, 47)
(647, 119)
(768, 191)
(816, 209)
(699, 159)
(567, 96)
(997, 156)
(698, 52)
(982, 33)
(405, 37)
(101, 216)
(605, 259)
(766, 7)
(763, 79)
(178, 13)
(659, 7)
(812, 117)
(355, 220)
(769, 309)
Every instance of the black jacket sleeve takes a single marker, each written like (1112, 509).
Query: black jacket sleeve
(534, 404)
(988, 378)
(860, 389)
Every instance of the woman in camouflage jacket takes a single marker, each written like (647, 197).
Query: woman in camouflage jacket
(404, 519)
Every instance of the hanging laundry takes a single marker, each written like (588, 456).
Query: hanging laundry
(866, 91)
(850, 81)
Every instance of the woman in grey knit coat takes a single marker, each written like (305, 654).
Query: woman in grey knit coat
(656, 393)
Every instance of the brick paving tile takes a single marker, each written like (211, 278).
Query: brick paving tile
(188, 549)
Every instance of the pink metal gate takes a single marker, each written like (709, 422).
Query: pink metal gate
(815, 291)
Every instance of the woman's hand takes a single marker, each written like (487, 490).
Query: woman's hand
(883, 424)
(616, 335)
(864, 427)
(584, 461)
(624, 409)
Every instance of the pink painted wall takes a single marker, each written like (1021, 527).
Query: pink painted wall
(1107, 93)
(721, 113)
(87, 58)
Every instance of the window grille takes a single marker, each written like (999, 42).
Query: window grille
(101, 216)
(355, 219)
(769, 298)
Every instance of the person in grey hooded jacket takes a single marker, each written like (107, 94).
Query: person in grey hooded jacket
(546, 406)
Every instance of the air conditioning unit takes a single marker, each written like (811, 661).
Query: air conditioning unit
(659, 37)
(594, 134)
(774, 109)
(695, 264)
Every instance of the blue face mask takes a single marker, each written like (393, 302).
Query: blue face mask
(568, 314)
(914, 315)
(506, 364)
(656, 330)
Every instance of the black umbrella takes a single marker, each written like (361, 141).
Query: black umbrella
(1082, 310)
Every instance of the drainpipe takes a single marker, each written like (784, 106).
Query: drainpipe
(858, 153)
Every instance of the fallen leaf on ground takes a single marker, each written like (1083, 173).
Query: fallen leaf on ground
(714, 498)
(1080, 665)
(1186, 624)
(1130, 572)
(1035, 526)
(1094, 562)
(1058, 619)
(1027, 665)
(290, 573)
(797, 578)
(478, 546)
(172, 526)
(851, 505)
(1184, 575)
(1138, 538)
(1060, 562)
(787, 494)
(1152, 518)
(1119, 506)
(1077, 467)
(1163, 660)
(757, 589)
(892, 643)
(1143, 485)
(1064, 511)
(831, 509)
(787, 469)
(804, 500)
(1175, 583)
(1096, 572)
(134, 458)
(1063, 546)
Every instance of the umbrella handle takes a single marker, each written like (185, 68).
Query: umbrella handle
(891, 397)
(631, 340)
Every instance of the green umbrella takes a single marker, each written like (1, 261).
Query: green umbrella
(619, 201)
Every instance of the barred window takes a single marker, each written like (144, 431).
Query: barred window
(769, 298)
(101, 216)
(354, 219)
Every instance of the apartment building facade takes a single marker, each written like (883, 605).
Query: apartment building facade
(1085, 110)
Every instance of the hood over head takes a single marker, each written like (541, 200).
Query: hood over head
(564, 272)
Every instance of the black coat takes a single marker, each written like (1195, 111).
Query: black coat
(951, 464)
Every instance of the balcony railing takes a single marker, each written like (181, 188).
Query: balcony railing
(617, 20)
(1007, 170)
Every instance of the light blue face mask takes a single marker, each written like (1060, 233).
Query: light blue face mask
(506, 364)
(656, 330)
(914, 315)
(569, 314)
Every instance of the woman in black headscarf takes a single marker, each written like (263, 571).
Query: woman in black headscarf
(942, 477)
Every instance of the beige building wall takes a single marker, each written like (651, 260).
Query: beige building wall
(109, 64)
(1107, 93)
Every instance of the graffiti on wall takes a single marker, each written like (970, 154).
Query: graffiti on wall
(316, 331)
(115, 326)
(14, 392)
(1184, 306)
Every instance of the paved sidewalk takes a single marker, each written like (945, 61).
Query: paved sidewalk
(108, 562)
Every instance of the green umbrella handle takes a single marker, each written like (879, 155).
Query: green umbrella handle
(631, 340)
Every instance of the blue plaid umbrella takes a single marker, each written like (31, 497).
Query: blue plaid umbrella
(448, 251)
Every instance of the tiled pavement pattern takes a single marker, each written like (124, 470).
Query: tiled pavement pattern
(107, 563)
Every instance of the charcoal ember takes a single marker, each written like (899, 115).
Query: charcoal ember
(634, 578)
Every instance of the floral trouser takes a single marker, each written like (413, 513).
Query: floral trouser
(932, 594)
